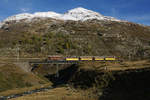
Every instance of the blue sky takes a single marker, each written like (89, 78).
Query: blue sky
(132, 10)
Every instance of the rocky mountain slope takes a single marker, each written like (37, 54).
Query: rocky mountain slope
(77, 32)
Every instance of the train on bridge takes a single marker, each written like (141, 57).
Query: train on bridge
(81, 58)
(55, 59)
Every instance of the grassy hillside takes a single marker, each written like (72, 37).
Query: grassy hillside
(49, 37)
(12, 77)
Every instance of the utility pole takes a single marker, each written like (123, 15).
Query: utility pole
(17, 51)
(130, 55)
(43, 47)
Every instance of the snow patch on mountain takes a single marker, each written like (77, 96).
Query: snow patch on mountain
(30, 16)
(47, 14)
(20, 17)
(84, 14)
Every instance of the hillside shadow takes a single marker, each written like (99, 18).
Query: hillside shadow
(129, 86)
(64, 75)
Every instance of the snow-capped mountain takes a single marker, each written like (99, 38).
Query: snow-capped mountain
(109, 35)
(84, 14)
(74, 14)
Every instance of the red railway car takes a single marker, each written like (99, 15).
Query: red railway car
(55, 57)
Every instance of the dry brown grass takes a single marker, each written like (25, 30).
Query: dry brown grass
(14, 80)
(59, 94)
(113, 66)
(128, 65)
